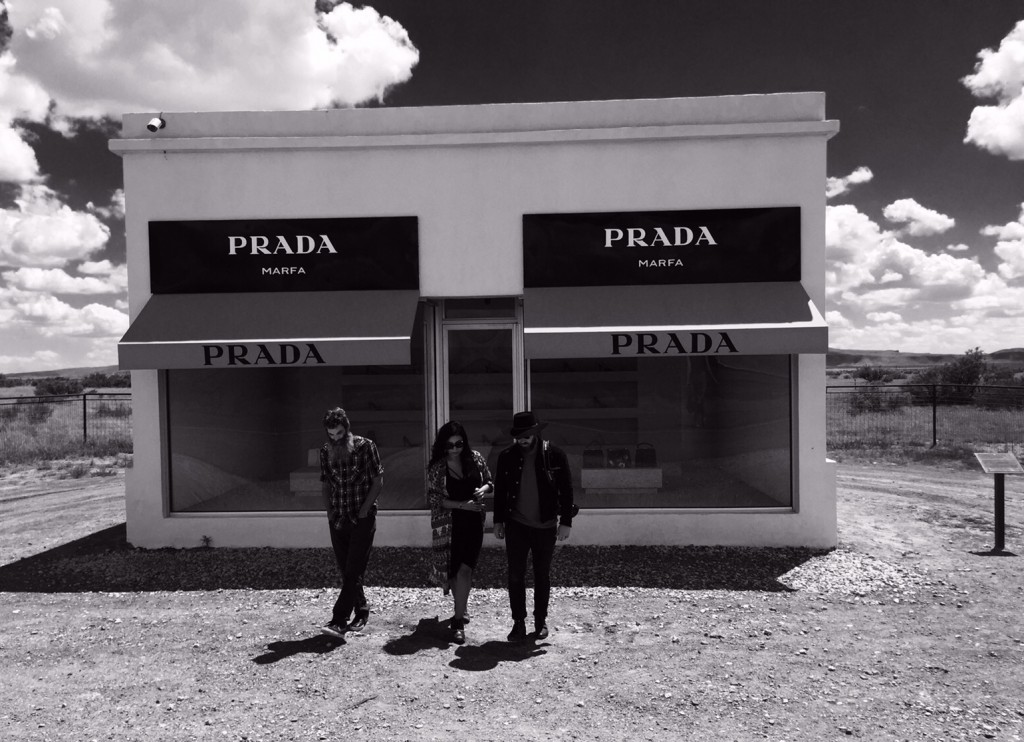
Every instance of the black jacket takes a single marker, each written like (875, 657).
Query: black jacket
(554, 482)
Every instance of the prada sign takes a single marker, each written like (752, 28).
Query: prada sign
(671, 343)
(256, 255)
(262, 354)
(661, 247)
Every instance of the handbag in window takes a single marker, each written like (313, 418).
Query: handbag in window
(645, 457)
(619, 458)
(593, 456)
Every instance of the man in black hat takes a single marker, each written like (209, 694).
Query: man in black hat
(533, 508)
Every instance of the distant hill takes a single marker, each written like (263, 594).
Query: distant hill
(67, 373)
(895, 359)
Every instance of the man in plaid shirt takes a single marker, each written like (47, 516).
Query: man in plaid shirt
(352, 477)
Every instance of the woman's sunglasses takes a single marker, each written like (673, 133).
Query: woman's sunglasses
(450, 446)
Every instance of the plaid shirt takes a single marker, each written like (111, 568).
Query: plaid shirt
(350, 482)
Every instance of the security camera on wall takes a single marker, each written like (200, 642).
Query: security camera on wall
(156, 124)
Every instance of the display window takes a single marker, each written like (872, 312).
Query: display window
(694, 432)
(247, 441)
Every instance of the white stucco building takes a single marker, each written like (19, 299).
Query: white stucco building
(648, 276)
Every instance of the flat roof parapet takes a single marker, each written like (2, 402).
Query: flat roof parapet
(730, 109)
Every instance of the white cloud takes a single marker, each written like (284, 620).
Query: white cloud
(1010, 247)
(920, 221)
(1012, 254)
(115, 210)
(1008, 231)
(885, 293)
(57, 281)
(107, 57)
(52, 318)
(836, 320)
(960, 247)
(19, 99)
(861, 255)
(43, 232)
(40, 360)
(999, 74)
(838, 186)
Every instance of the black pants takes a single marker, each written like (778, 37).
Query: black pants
(352, 543)
(520, 540)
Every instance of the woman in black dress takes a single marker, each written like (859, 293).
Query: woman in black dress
(457, 480)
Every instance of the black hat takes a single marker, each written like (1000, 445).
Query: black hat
(525, 422)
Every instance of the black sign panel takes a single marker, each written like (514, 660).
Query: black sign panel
(225, 256)
(662, 247)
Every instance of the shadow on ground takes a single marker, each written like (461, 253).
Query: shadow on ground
(104, 562)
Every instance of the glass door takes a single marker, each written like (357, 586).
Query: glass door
(483, 380)
(479, 369)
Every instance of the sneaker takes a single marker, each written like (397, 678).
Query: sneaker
(359, 622)
(541, 631)
(334, 629)
(518, 632)
(458, 631)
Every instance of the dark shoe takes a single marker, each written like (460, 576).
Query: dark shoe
(518, 632)
(541, 632)
(359, 622)
(335, 630)
(458, 631)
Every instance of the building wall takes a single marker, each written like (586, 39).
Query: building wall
(468, 174)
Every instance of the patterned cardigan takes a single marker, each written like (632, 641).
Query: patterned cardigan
(441, 517)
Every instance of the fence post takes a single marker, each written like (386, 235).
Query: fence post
(935, 426)
(85, 417)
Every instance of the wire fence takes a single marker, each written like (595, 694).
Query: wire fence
(53, 427)
(973, 419)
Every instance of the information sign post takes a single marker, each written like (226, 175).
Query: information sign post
(999, 465)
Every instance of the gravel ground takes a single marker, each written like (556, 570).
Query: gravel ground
(910, 630)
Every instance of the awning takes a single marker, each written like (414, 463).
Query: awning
(271, 330)
(649, 321)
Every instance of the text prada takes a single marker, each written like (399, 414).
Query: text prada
(670, 343)
(299, 244)
(283, 354)
(658, 237)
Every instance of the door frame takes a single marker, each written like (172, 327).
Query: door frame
(443, 326)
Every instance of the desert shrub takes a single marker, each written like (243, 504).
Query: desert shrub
(874, 375)
(57, 385)
(99, 380)
(955, 382)
(875, 400)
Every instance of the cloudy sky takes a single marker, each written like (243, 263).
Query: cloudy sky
(925, 195)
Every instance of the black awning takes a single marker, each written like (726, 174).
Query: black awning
(739, 318)
(260, 330)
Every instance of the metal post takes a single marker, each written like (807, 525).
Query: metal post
(1000, 506)
(85, 419)
(935, 419)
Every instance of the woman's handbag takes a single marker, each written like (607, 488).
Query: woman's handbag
(618, 458)
(645, 457)
(593, 458)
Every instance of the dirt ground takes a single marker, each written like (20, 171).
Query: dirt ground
(910, 630)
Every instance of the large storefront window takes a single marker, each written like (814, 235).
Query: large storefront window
(247, 440)
(696, 432)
